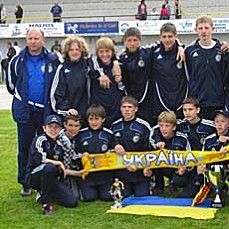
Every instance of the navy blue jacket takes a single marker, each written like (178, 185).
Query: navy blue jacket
(17, 83)
(178, 142)
(109, 98)
(69, 88)
(43, 148)
(169, 80)
(133, 135)
(96, 141)
(197, 132)
(136, 76)
(208, 74)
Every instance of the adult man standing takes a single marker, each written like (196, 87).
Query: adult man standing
(29, 79)
(56, 11)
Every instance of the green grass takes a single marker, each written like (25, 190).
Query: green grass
(18, 212)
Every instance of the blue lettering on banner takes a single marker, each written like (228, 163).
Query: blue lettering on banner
(91, 27)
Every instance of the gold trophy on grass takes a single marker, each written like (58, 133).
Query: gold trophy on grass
(116, 193)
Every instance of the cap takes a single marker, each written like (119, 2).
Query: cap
(53, 119)
(222, 112)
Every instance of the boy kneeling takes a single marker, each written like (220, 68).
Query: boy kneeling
(45, 168)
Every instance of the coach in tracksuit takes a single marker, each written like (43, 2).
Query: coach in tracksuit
(29, 79)
(132, 134)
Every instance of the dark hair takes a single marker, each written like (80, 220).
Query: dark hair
(132, 32)
(129, 99)
(168, 28)
(73, 117)
(96, 110)
(191, 100)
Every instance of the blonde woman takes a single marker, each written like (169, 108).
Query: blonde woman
(69, 88)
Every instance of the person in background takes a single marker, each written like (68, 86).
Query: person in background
(29, 78)
(154, 15)
(16, 47)
(177, 7)
(164, 14)
(3, 14)
(18, 13)
(142, 10)
(56, 11)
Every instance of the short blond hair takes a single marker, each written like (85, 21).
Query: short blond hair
(80, 41)
(105, 43)
(167, 116)
(204, 19)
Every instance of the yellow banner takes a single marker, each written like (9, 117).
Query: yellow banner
(152, 159)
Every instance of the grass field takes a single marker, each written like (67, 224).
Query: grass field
(18, 212)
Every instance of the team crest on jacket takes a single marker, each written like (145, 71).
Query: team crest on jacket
(218, 58)
(136, 138)
(50, 68)
(179, 65)
(104, 148)
(141, 63)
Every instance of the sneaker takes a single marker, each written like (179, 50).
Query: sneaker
(26, 191)
(38, 197)
(47, 209)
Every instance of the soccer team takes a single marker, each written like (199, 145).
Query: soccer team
(134, 102)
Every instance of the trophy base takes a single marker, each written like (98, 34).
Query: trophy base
(217, 205)
(117, 205)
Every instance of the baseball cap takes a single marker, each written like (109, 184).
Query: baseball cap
(222, 112)
(53, 119)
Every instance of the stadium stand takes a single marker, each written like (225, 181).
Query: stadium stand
(107, 10)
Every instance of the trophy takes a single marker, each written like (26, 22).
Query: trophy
(216, 177)
(116, 193)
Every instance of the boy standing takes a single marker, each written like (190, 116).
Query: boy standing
(45, 168)
(208, 69)
(170, 84)
(132, 134)
(95, 139)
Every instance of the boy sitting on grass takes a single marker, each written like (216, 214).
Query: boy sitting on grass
(45, 168)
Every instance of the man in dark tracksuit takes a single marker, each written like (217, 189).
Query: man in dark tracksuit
(29, 79)
(45, 168)
(132, 134)
(208, 69)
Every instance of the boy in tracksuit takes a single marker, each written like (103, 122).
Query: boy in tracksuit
(165, 135)
(104, 88)
(170, 81)
(95, 139)
(45, 168)
(217, 141)
(196, 129)
(208, 69)
(132, 134)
